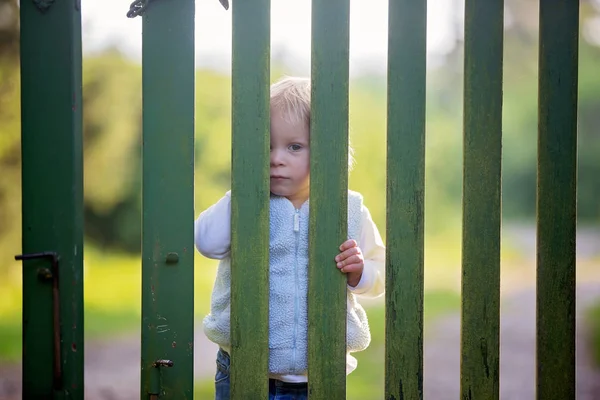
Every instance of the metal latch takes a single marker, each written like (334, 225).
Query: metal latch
(47, 274)
(155, 377)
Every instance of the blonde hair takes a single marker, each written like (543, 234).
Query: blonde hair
(291, 95)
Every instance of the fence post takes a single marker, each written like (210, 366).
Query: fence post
(52, 199)
(328, 199)
(405, 199)
(250, 199)
(167, 326)
(480, 328)
(556, 198)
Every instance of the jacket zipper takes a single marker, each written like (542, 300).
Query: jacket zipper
(296, 301)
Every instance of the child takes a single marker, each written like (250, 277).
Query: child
(361, 257)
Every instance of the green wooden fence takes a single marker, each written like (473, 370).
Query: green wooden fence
(52, 186)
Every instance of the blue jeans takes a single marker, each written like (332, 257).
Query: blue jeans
(278, 390)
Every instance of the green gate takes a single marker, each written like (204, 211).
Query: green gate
(52, 185)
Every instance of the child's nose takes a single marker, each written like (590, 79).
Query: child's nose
(276, 157)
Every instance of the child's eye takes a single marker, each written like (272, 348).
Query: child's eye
(295, 147)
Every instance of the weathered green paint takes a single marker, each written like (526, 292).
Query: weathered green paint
(556, 198)
(52, 194)
(328, 199)
(168, 198)
(405, 197)
(250, 200)
(481, 199)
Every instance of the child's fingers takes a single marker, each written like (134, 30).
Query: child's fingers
(347, 254)
(356, 267)
(355, 259)
(348, 244)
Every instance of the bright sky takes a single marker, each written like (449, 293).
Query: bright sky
(105, 22)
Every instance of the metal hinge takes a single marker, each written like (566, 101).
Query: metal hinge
(137, 8)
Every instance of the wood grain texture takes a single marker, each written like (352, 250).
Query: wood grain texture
(556, 198)
(405, 199)
(250, 200)
(328, 199)
(481, 199)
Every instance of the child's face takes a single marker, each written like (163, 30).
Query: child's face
(290, 158)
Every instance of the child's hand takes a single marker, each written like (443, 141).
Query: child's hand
(350, 261)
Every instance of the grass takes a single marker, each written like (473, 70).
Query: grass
(593, 318)
(204, 390)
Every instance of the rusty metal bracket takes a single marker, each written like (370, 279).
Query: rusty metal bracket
(43, 5)
(47, 274)
(162, 363)
(155, 377)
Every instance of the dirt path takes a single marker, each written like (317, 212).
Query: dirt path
(517, 351)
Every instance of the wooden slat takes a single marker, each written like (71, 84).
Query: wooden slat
(328, 199)
(250, 200)
(481, 199)
(52, 195)
(168, 199)
(556, 198)
(405, 198)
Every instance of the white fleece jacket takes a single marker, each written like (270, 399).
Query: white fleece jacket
(288, 280)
